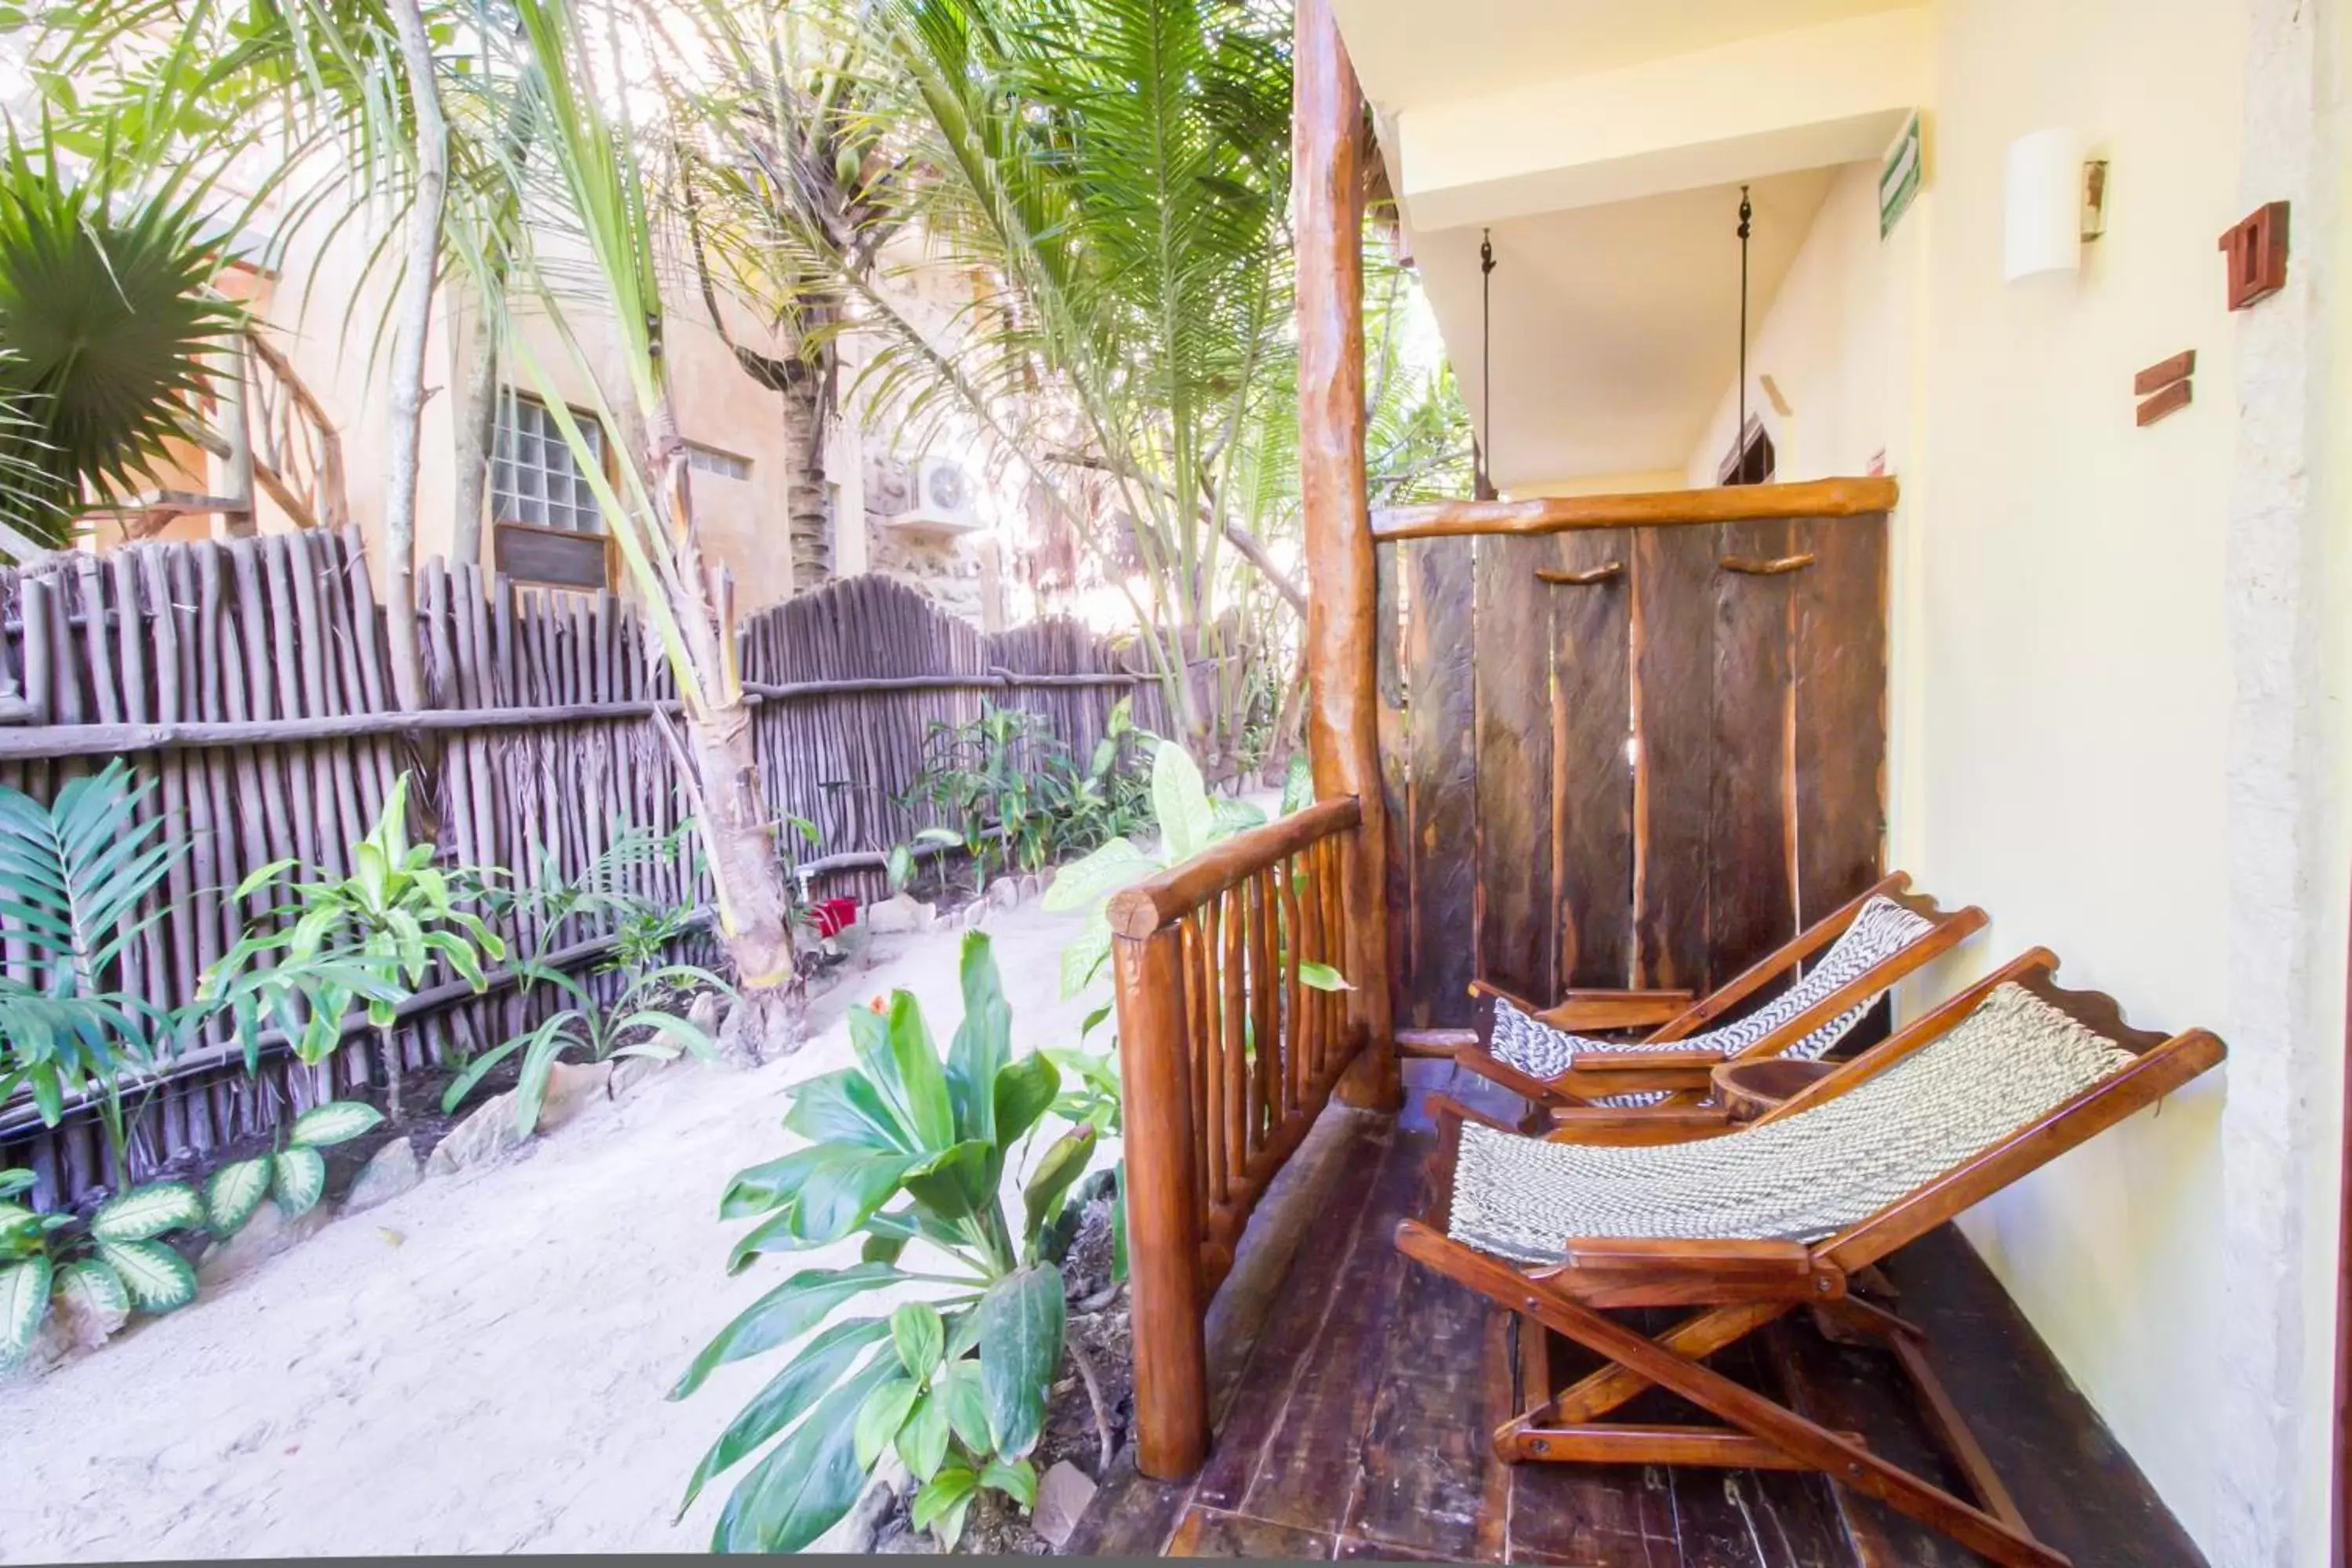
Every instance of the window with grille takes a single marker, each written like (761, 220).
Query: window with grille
(535, 478)
(710, 460)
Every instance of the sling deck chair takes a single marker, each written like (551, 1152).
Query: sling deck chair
(1873, 940)
(1747, 1224)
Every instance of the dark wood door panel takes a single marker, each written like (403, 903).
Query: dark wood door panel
(1592, 774)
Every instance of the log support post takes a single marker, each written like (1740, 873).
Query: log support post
(1342, 629)
(1164, 1218)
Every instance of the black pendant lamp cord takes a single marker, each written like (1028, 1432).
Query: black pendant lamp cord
(1487, 357)
(1739, 435)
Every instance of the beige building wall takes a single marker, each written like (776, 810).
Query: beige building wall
(2070, 698)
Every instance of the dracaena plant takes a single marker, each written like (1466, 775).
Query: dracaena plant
(372, 936)
(117, 1261)
(911, 1151)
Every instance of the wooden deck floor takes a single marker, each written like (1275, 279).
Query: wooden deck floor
(1355, 1392)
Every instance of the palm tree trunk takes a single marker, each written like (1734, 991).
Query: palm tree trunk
(477, 420)
(804, 479)
(413, 319)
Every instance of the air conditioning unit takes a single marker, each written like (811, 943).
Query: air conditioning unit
(945, 498)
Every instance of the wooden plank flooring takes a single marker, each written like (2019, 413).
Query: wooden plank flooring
(1354, 1394)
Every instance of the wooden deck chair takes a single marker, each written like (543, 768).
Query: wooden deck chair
(1873, 941)
(1746, 1224)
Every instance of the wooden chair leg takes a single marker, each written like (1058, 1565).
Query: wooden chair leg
(1803, 1443)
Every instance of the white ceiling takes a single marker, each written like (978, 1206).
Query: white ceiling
(1615, 328)
(1409, 53)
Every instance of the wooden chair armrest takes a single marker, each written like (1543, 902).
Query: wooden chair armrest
(1434, 1042)
(1621, 1126)
(1597, 1009)
(1700, 1059)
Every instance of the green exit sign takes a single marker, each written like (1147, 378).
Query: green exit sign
(1899, 177)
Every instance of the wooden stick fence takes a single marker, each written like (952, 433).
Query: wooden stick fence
(248, 678)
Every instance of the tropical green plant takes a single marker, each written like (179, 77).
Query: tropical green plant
(76, 877)
(911, 1151)
(108, 312)
(639, 1022)
(371, 936)
(1189, 820)
(117, 1261)
(985, 776)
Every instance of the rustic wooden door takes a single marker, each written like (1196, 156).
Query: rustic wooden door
(1640, 756)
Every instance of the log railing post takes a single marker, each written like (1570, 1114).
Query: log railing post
(1342, 629)
(1164, 1218)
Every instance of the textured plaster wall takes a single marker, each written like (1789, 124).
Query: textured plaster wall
(2120, 662)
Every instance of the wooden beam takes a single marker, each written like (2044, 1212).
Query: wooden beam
(1640, 509)
(1343, 705)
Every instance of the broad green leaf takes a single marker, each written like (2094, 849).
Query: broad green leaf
(1093, 1020)
(336, 1121)
(920, 1076)
(878, 1419)
(15, 1181)
(809, 1479)
(1065, 1161)
(1298, 785)
(1102, 871)
(923, 1440)
(1322, 977)
(1024, 1091)
(940, 1505)
(1236, 816)
(804, 1380)
(1016, 1478)
(955, 1184)
(157, 1279)
(982, 1043)
(920, 1336)
(93, 1289)
(1020, 1354)
(772, 1183)
(24, 1301)
(1084, 958)
(772, 1234)
(783, 1314)
(233, 1192)
(845, 1107)
(145, 1212)
(298, 1180)
(842, 1193)
(967, 1407)
(1187, 821)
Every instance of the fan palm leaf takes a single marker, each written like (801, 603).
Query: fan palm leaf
(107, 316)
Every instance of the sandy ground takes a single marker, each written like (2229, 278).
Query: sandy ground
(480, 1365)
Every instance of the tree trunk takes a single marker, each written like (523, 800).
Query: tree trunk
(414, 319)
(755, 905)
(804, 479)
(477, 421)
(392, 1073)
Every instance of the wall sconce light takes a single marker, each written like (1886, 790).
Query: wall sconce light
(2055, 199)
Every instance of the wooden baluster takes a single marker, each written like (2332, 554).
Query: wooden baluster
(1318, 947)
(1298, 1018)
(1265, 1004)
(1200, 1018)
(1211, 1068)
(1228, 1137)
(1163, 1221)
(1338, 1037)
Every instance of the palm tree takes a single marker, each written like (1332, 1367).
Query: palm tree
(107, 314)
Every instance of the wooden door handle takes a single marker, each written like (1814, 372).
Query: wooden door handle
(1749, 567)
(1583, 578)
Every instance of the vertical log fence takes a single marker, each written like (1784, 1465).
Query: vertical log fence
(247, 679)
(1227, 1058)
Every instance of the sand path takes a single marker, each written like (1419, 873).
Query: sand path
(479, 1366)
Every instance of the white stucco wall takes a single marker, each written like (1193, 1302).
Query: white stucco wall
(2119, 661)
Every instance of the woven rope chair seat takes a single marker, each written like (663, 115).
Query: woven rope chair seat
(2010, 1062)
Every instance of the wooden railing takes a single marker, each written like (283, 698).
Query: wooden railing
(298, 457)
(1228, 1054)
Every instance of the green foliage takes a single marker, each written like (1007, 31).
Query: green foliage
(372, 936)
(107, 312)
(118, 1259)
(909, 1148)
(78, 877)
(1017, 797)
